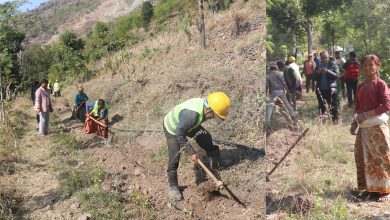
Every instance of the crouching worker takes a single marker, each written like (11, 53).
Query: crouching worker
(97, 118)
(185, 121)
(79, 104)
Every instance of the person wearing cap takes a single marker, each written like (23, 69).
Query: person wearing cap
(56, 89)
(293, 68)
(351, 76)
(340, 60)
(79, 103)
(326, 75)
(99, 112)
(185, 120)
(316, 59)
(276, 87)
(308, 68)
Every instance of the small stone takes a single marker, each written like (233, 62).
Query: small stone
(104, 159)
(75, 205)
(123, 167)
(137, 187)
(85, 217)
(145, 192)
(137, 172)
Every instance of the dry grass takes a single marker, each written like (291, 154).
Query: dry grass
(324, 170)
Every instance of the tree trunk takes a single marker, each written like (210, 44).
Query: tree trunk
(202, 28)
(309, 36)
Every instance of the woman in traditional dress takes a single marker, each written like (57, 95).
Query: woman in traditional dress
(372, 151)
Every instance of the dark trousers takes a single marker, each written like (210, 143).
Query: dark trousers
(351, 89)
(203, 139)
(309, 83)
(327, 98)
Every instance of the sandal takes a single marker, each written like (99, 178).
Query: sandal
(384, 197)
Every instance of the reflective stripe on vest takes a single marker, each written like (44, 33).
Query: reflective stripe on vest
(95, 110)
(171, 120)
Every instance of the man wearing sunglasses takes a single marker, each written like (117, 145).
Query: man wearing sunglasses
(185, 120)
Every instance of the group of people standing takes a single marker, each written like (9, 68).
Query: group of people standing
(93, 114)
(325, 75)
(329, 78)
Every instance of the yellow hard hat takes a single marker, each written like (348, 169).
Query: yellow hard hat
(219, 103)
(291, 59)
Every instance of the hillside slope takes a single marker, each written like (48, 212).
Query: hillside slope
(127, 178)
(47, 21)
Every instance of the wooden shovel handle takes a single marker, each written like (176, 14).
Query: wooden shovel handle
(219, 183)
(96, 121)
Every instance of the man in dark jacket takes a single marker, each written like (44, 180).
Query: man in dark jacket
(292, 83)
(351, 76)
(326, 75)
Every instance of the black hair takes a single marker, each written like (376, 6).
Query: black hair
(44, 81)
(280, 64)
(101, 102)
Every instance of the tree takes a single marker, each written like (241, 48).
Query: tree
(68, 60)
(147, 13)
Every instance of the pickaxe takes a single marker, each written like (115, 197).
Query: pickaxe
(220, 185)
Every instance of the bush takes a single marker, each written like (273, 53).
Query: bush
(147, 13)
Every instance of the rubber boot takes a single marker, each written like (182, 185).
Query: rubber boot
(174, 191)
(216, 162)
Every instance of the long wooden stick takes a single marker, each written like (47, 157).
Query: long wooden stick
(217, 182)
(99, 123)
(285, 155)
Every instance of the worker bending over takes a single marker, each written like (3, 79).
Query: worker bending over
(97, 118)
(185, 120)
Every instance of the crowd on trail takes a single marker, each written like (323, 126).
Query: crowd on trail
(183, 121)
(330, 78)
(333, 79)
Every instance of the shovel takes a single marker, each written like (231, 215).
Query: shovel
(220, 185)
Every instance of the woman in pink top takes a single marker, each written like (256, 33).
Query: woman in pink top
(43, 106)
(372, 151)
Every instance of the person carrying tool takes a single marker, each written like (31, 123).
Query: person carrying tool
(56, 89)
(79, 103)
(326, 75)
(293, 68)
(276, 87)
(185, 120)
(97, 119)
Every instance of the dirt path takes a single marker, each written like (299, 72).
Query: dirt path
(34, 180)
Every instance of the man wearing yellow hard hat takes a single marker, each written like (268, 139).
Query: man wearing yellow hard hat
(185, 120)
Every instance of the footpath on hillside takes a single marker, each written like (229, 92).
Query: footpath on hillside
(70, 175)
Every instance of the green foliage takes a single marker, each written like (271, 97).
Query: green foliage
(147, 13)
(36, 63)
(10, 44)
(185, 23)
(102, 205)
(288, 17)
(161, 155)
(68, 60)
(218, 5)
(166, 9)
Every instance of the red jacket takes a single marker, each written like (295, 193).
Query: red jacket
(352, 68)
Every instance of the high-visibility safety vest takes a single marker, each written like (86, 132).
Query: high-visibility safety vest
(56, 87)
(171, 120)
(95, 110)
